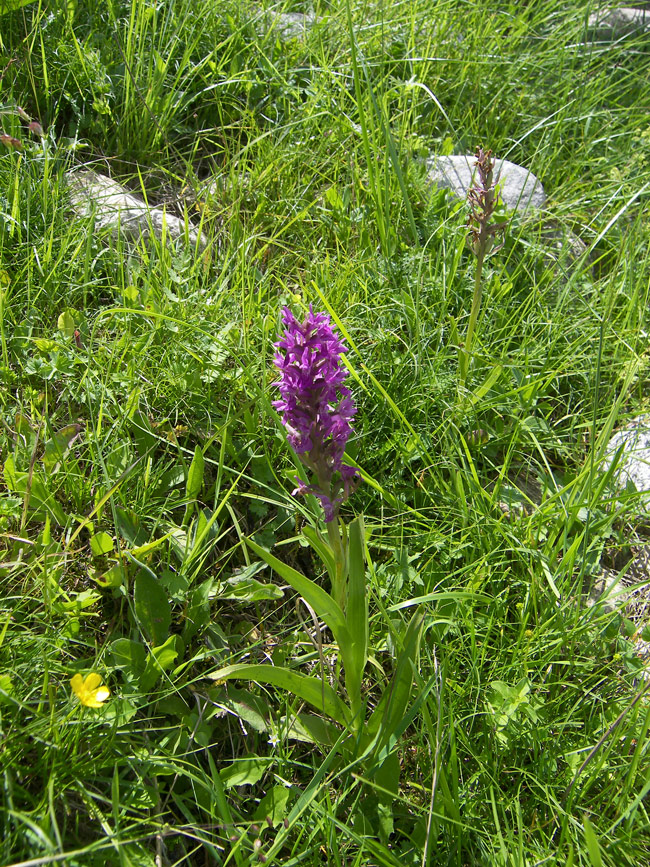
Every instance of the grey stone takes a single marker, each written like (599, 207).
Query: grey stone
(627, 592)
(521, 191)
(292, 25)
(612, 23)
(123, 214)
(606, 590)
(634, 463)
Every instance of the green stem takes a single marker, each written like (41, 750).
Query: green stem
(466, 351)
(3, 338)
(336, 544)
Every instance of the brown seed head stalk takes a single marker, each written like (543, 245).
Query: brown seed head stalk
(483, 198)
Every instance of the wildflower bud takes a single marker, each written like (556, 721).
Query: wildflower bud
(10, 141)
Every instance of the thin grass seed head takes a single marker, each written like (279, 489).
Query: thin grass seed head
(316, 407)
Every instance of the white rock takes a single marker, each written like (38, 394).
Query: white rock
(634, 463)
(117, 209)
(520, 189)
(610, 23)
(606, 590)
(292, 25)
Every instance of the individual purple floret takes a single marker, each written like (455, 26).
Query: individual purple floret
(316, 407)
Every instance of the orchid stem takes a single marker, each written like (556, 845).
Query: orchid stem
(466, 352)
(336, 544)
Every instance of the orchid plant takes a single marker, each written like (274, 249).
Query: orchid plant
(486, 224)
(317, 411)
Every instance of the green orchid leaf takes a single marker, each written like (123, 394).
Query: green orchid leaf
(323, 550)
(357, 614)
(392, 706)
(310, 689)
(320, 600)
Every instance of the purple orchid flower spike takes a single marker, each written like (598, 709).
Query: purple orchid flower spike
(317, 409)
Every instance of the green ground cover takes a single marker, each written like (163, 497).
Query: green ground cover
(140, 450)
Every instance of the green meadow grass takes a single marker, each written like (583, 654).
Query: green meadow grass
(530, 744)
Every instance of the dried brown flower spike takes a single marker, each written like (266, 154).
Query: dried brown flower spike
(483, 198)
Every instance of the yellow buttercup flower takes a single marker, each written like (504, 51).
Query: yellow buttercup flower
(90, 692)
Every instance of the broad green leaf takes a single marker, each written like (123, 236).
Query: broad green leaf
(6, 688)
(159, 660)
(57, 448)
(245, 772)
(23, 425)
(333, 197)
(129, 526)
(66, 323)
(152, 608)
(308, 728)
(252, 709)
(145, 436)
(387, 774)
(198, 610)
(320, 600)
(310, 689)
(118, 460)
(129, 655)
(113, 578)
(457, 595)
(249, 571)
(249, 590)
(10, 473)
(40, 501)
(273, 806)
(195, 475)
(12, 5)
(101, 543)
(78, 602)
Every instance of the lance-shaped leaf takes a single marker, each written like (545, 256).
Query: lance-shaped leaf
(195, 475)
(314, 691)
(320, 600)
(393, 703)
(357, 614)
(323, 550)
